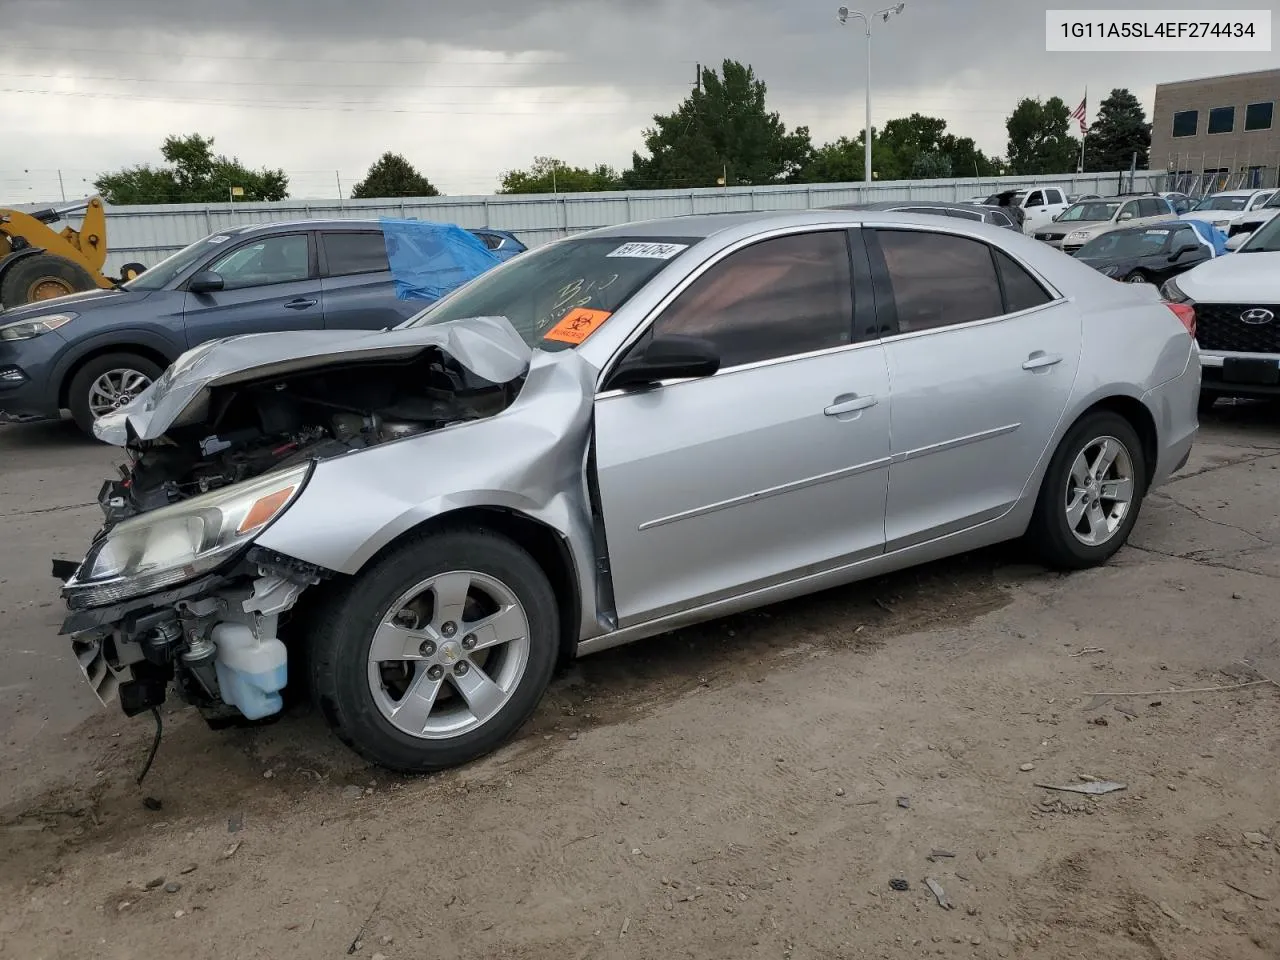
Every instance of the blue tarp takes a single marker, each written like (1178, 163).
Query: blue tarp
(1211, 236)
(429, 259)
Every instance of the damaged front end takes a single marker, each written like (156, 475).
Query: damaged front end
(173, 591)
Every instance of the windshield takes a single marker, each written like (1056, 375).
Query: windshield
(1091, 211)
(1221, 202)
(558, 295)
(164, 272)
(1266, 239)
(1273, 202)
(1005, 199)
(1123, 244)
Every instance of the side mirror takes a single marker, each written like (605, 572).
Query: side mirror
(1184, 249)
(1126, 216)
(667, 358)
(206, 281)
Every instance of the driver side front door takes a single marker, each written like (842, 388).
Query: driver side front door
(270, 283)
(771, 470)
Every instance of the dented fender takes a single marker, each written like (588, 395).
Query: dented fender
(529, 459)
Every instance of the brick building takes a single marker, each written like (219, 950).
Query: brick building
(1218, 133)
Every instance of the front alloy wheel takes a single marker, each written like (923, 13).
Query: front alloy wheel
(449, 654)
(438, 652)
(115, 389)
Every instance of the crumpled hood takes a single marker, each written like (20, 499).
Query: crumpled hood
(487, 346)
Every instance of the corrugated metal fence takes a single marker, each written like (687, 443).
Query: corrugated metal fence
(149, 233)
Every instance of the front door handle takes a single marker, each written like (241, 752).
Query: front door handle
(1039, 360)
(301, 303)
(849, 403)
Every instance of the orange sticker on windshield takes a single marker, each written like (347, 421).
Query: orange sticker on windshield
(576, 325)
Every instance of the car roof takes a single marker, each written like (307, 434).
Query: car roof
(321, 224)
(898, 204)
(707, 225)
(1238, 193)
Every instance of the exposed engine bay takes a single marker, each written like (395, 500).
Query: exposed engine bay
(262, 425)
(215, 638)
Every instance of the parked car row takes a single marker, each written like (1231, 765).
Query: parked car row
(93, 352)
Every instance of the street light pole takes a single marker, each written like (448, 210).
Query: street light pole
(843, 15)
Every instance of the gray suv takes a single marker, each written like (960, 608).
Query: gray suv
(92, 352)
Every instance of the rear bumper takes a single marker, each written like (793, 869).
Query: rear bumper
(1173, 404)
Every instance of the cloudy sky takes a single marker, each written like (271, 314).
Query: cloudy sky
(468, 88)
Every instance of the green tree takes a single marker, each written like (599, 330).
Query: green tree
(549, 175)
(837, 162)
(391, 175)
(933, 165)
(1120, 130)
(1038, 139)
(193, 174)
(914, 147)
(723, 129)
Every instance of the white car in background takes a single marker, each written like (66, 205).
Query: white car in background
(1243, 227)
(1237, 308)
(1223, 209)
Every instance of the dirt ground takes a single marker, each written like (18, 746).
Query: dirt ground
(747, 789)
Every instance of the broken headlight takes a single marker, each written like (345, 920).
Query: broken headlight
(181, 541)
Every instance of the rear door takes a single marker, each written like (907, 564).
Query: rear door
(270, 283)
(359, 293)
(1152, 209)
(981, 360)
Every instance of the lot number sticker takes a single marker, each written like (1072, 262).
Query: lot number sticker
(576, 325)
(650, 251)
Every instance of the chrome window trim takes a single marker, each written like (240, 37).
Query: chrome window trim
(1056, 295)
(1056, 298)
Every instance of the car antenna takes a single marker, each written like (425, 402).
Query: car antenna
(155, 745)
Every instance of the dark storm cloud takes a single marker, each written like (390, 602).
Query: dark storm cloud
(466, 84)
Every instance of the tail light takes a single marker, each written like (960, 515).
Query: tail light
(1186, 313)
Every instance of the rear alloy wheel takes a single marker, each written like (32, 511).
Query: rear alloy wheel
(1091, 494)
(107, 383)
(438, 653)
(1136, 277)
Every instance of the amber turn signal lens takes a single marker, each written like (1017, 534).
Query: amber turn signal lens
(264, 509)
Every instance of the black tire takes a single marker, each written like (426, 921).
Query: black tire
(338, 651)
(1137, 276)
(78, 390)
(130, 270)
(1049, 533)
(24, 279)
(1205, 404)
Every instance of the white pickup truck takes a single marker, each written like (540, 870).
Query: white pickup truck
(1039, 204)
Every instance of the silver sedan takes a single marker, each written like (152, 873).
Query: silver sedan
(607, 438)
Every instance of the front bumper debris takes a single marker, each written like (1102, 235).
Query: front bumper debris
(215, 641)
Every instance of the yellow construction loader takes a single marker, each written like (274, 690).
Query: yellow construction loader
(37, 262)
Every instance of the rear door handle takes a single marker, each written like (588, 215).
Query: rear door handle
(849, 404)
(1039, 360)
(301, 303)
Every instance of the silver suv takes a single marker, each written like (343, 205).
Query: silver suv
(1083, 221)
